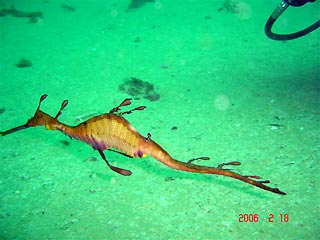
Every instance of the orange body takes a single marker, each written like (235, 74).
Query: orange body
(112, 131)
(104, 132)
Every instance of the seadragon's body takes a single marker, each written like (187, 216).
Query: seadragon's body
(112, 131)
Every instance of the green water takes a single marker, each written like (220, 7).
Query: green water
(221, 89)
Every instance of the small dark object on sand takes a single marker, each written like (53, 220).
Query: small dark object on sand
(139, 89)
(68, 8)
(229, 6)
(23, 63)
(138, 3)
(33, 16)
(64, 142)
(2, 110)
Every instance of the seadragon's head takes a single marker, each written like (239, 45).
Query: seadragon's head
(39, 118)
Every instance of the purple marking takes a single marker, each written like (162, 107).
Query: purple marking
(96, 144)
(139, 153)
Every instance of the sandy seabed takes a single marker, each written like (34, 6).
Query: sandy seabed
(226, 91)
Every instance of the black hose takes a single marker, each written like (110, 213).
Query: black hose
(276, 13)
